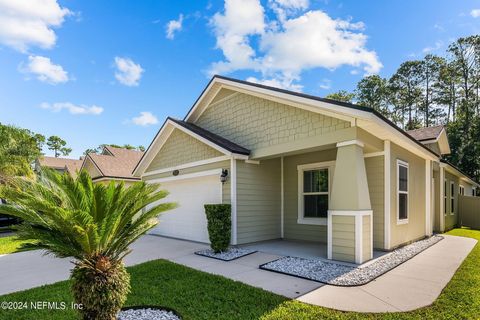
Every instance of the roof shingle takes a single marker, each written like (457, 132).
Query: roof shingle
(427, 133)
(119, 165)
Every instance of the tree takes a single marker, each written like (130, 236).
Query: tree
(18, 149)
(405, 86)
(93, 224)
(99, 149)
(58, 146)
(342, 95)
(372, 91)
(446, 90)
(431, 66)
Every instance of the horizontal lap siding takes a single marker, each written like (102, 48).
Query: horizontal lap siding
(258, 201)
(376, 184)
(294, 230)
(367, 249)
(343, 238)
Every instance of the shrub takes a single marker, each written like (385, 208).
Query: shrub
(219, 225)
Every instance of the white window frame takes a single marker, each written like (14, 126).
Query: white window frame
(445, 196)
(401, 163)
(461, 190)
(330, 165)
(452, 197)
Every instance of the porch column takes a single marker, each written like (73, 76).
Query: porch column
(350, 212)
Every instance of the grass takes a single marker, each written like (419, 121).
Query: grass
(11, 244)
(198, 295)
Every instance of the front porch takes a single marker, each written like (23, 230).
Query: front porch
(297, 248)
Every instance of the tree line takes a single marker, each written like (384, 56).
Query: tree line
(436, 90)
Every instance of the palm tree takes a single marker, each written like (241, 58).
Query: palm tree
(93, 224)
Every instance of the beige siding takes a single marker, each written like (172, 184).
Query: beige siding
(343, 238)
(205, 167)
(376, 184)
(258, 201)
(451, 220)
(415, 228)
(90, 167)
(259, 123)
(469, 211)
(292, 229)
(367, 249)
(181, 148)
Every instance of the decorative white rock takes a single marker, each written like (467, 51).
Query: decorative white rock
(147, 314)
(230, 254)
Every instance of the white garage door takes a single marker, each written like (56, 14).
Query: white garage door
(188, 221)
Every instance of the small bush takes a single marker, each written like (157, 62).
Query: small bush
(219, 225)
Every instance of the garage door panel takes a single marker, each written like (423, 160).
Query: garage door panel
(188, 221)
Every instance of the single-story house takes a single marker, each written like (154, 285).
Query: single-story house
(61, 165)
(112, 164)
(300, 167)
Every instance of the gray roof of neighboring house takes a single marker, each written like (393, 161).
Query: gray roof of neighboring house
(427, 133)
(119, 164)
(212, 137)
(71, 165)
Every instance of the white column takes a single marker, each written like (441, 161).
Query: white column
(442, 193)
(428, 197)
(233, 198)
(387, 194)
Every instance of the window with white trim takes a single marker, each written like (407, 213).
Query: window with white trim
(452, 197)
(445, 197)
(402, 191)
(314, 192)
(461, 190)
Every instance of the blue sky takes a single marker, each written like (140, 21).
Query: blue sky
(88, 70)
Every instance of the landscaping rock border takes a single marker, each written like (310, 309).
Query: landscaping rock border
(346, 275)
(148, 313)
(229, 255)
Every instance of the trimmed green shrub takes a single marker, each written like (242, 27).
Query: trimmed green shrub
(219, 225)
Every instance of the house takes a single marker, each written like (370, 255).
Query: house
(61, 165)
(299, 167)
(113, 164)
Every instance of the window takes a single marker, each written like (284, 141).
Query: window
(314, 192)
(452, 197)
(461, 190)
(402, 191)
(445, 197)
(473, 192)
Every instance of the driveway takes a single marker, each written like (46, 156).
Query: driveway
(414, 284)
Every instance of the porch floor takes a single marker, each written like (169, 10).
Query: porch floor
(297, 248)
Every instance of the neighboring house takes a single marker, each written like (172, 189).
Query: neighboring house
(303, 168)
(114, 164)
(61, 165)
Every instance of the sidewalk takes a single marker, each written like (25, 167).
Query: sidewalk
(414, 284)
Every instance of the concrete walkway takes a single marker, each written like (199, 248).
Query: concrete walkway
(414, 284)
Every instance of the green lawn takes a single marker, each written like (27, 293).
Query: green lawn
(10, 244)
(198, 295)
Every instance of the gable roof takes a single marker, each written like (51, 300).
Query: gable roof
(71, 165)
(118, 164)
(427, 133)
(343, 110)
(212, 137)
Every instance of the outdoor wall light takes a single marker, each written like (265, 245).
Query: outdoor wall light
(224, 175)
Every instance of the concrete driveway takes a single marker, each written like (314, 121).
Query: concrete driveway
(414, 284)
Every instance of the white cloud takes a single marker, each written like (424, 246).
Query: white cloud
(72, 108)
(240, 19)
(289, 45)
(145, 119)
(278, 83)
(285, 8)
(173, 26)
(30, 23)
(45, 70)
(475, 13)
(128, 72)
(325, 84)
(437, 46)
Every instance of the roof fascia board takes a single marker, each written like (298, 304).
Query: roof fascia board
(160, 140)
(458, 173)
(311, 105)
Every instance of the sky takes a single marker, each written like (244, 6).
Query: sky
(95, 72)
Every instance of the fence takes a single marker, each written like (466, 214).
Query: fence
(469, 211)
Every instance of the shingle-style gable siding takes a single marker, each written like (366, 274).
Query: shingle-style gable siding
(254, 122)
(181, 148)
